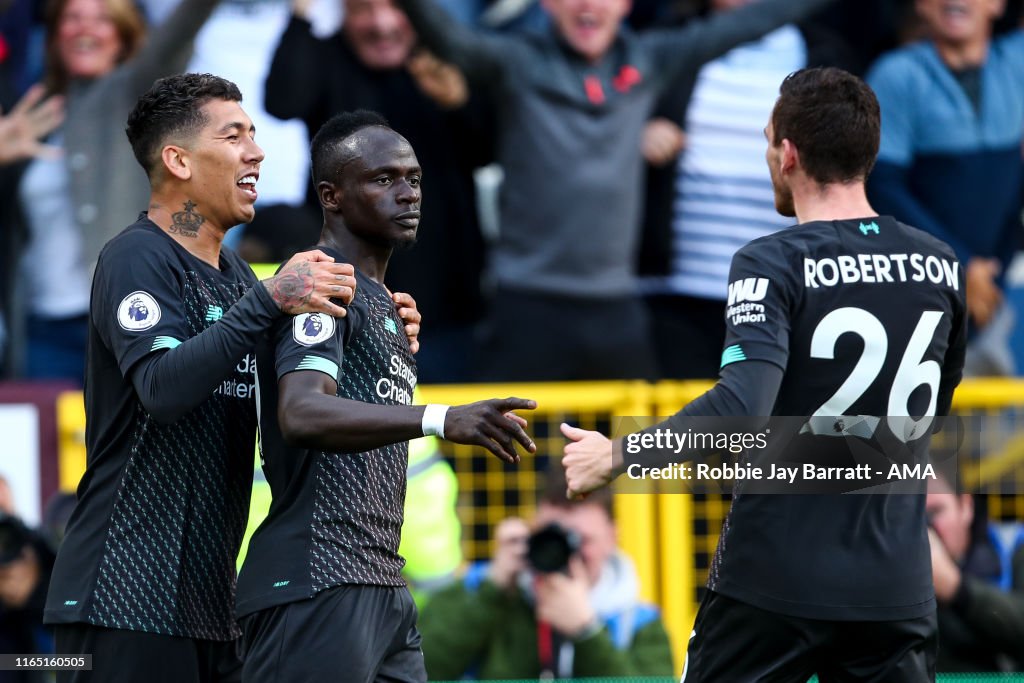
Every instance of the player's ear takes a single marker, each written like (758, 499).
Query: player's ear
(176, 161)
(330, 195)
(790, 157)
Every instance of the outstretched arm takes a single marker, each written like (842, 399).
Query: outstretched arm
(311, 415)
(703, 40)
(479, 55)
(174, 375)
(751, 375)
(288, 93)
(745, 389)
(24, 127)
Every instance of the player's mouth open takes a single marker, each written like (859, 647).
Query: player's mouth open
(586, 24)
(248, 185)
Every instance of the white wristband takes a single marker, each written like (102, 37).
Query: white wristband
(433, 419)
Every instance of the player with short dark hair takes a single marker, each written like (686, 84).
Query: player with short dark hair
(320, 596)
(144, 580)
(167, 113)
(834, 121)
(847, 313)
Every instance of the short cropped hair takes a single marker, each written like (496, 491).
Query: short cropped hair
(327, 142)
(172, 110)
(834, 120)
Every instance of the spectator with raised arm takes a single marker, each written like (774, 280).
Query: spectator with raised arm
(23, 129)
(374, 65)
(978, 571)
(572, 106)
(61, 210)
(718, 195)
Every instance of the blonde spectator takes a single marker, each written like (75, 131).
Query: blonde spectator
(61, 208)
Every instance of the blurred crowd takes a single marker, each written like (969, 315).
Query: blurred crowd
(580, 233)
(571, 230)
(27, 554)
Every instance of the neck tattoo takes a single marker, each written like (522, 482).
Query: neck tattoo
(186, 223)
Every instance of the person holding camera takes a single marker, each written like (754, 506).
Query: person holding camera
(562, 601)
(978, 572)
(25, 565)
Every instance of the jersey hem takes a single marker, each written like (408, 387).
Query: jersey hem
(828, 612)
(257, 603)
(53, 617)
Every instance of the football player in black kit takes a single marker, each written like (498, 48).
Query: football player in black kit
(145, 578)
(320, 596)
(845, 313)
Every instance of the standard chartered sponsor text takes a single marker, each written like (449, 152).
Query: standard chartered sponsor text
(391, 387)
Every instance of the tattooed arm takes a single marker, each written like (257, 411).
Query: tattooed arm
(172, 382)
(309, 281)
(306, 284)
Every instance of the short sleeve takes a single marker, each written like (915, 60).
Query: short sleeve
(890, 79)
(315, 341)
(137, 299)
(310, 341)
(757, 312)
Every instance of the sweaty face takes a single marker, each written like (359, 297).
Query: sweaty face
(951, 515)
(595, 529)
(380, 198)
(959, 21)
(379, 33)
(225, 163)
(588, 26)
(783, 195)
(87, 39)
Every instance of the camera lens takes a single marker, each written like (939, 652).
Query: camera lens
(549, 548)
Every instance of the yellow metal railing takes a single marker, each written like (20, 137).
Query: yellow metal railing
(670, 538)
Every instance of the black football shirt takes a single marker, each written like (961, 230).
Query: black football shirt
(152, 543)
(335, 518)
(866, 318)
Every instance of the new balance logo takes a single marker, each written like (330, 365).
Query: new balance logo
(214, 313)
(748, 289)
(390, 326)
(870, 227)
(733, 354)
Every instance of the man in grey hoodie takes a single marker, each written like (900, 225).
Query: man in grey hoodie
(572, 104)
